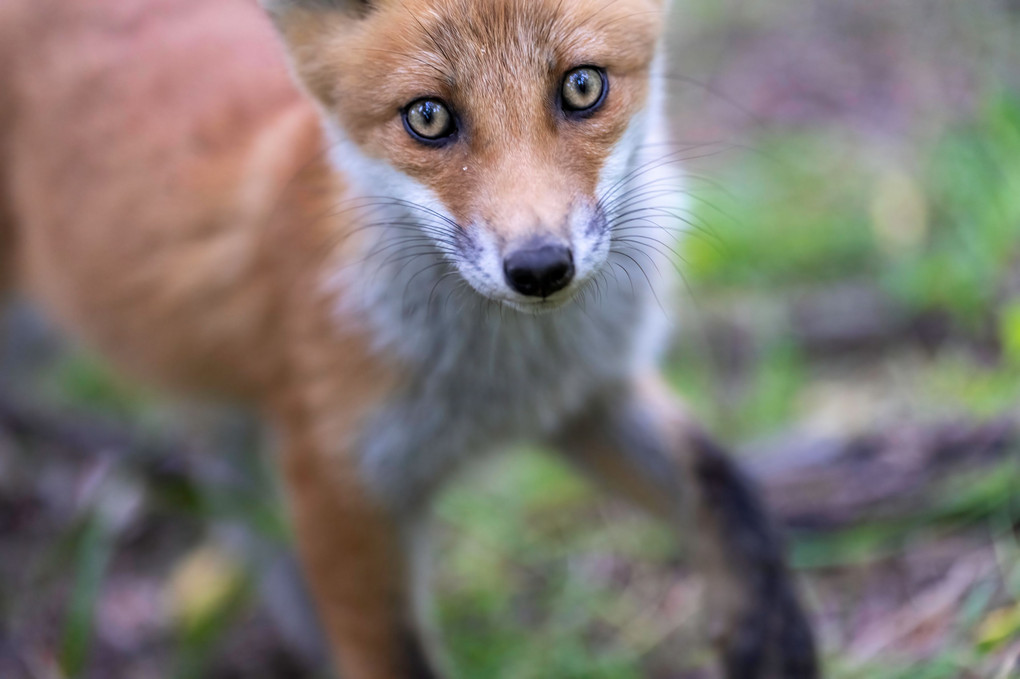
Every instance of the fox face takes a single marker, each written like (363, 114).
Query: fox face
(499, 128)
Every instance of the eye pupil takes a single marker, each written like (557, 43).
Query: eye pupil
(428, 112)
(583, 90)
(429, 120)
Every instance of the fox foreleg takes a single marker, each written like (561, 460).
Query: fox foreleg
(641, 444)
(357, 560)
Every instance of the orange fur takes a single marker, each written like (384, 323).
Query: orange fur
(352, 551)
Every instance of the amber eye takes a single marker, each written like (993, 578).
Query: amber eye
(584, 89)
(429, 120)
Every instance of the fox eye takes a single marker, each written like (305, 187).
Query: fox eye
(429, 120)
(583, 90)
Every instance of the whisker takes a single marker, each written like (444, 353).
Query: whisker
(630, 239)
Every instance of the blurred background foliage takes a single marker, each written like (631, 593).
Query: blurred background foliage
(851, 322)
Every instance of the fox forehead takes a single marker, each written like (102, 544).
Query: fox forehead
(468, 46)
(483, 48)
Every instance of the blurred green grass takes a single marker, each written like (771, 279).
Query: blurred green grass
(941, 233)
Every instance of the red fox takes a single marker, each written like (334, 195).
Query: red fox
(408, 232)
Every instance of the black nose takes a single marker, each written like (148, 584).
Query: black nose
(539, 271)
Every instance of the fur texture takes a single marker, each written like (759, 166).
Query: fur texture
(171, 197)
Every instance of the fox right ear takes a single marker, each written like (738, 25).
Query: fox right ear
(310, 31)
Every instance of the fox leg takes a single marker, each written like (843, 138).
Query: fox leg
(642, 445)
(357, 566)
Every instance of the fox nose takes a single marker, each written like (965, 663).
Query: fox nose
(541, 270)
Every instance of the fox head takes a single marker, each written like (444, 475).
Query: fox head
(500, 127)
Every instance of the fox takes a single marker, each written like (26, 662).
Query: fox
(408, 234)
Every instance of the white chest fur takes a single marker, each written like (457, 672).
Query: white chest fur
(483, 376)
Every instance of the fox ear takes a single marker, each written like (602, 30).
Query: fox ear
(309, 30)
